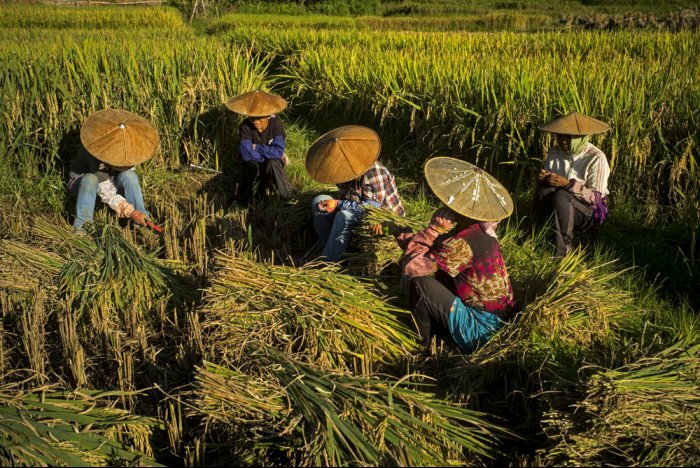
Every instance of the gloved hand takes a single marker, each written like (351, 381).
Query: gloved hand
(138, 217)
(442, 221)
(327, 206)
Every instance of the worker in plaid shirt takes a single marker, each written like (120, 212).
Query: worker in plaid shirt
(334, 219)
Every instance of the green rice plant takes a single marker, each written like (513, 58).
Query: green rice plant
(115, 17)
(329, 418)
(47, 427)
(454, 92)
(643, 413)
(179, 89)
(327, 317)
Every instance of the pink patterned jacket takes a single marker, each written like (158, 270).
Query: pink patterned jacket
(469, 263)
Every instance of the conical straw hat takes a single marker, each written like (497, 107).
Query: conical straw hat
(468, 190)
(343, 154)
(575, 124)
(256, 104)
(118, 137)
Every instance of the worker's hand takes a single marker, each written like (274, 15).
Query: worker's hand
(327, 206)
(556, 180)
(139, 217)
(378, 229)
(254, 145)
(285, 159)
(542, 176)
(443, 220)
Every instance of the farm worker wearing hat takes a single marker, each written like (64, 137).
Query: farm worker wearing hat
(574, 181)
(347, 156)
(470, 295)
(114, 141)
(261, 141)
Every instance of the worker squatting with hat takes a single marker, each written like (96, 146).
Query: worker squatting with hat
(347, 156)
(114, 141)
(574, 181)
(262, 145)
(470, 296)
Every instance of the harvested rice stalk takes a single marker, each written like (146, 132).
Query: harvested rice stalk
(577, 306)
(111, 300)
(27, 267)
(377, 252)
(645, 413)
(331, 318)
(45, 427)
(329, 418)
(230, 400)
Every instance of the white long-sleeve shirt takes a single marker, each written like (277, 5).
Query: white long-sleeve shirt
(589, 170)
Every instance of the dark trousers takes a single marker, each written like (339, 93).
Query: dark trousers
(431, 304)
(257, 177)
(570, 214)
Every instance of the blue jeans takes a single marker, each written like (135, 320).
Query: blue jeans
(84, 190)
(334, 229)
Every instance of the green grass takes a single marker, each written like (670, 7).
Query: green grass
(422, 8)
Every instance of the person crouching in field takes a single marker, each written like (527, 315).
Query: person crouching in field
(347, 156)
(114, 141)
(262, 143)
(459, 285)
(574, 181)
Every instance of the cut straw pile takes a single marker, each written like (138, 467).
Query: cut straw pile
(645, 413)
(44, 427)
(111, 302)
(315, 417)
(330, 318)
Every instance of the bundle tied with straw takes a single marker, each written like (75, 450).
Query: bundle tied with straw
(317, 417)
(329, 318)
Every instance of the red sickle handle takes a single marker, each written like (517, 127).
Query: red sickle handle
(154, 227)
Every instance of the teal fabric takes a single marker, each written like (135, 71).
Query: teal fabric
(471, 328)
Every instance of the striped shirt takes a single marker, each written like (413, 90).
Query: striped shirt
(589, 171)
(377, 184)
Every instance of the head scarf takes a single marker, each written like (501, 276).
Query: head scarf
(578, 144)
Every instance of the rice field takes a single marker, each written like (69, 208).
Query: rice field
(213, 343)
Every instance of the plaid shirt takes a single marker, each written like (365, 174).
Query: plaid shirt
(376, 184)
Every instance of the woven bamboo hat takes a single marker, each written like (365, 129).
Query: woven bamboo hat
(467, 189)
(256, 104)
(343, 154)
(575, 124)
(118, 137)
